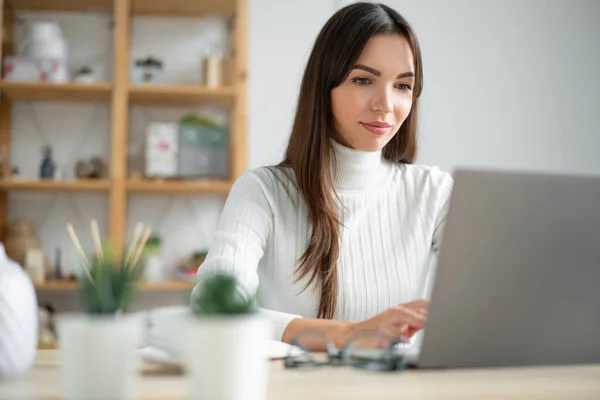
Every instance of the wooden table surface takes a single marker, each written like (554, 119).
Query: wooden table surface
(571, 382)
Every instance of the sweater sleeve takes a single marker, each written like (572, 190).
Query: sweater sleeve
(18, 319)
(240, 240)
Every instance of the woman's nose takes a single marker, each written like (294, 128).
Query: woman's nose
(382, 101)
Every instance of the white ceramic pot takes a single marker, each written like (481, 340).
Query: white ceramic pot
(226, 358)
(166, 329)
(86, 78)
(98, 356)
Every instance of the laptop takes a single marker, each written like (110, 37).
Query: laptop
(518, 274)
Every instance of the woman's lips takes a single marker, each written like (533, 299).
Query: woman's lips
(377, 128)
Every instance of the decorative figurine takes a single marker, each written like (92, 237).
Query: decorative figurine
(48, 166)
(93, 168)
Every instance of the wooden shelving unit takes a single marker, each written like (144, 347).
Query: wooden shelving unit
(61, 5)
(180, 95)
(183, 8)
(121, 95)
(63, 186)
(32, 91)
(141, 286)
(179, 187)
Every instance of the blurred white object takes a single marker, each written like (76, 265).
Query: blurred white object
(225, 357)
(162, 148)
(35, 70)
(44, 40)
(165, 325)
(39, 31)
(18, 319)
(56, 49)
(43, 55)
(153, 269)
(98, 356)
(61, 74)
(164, 340)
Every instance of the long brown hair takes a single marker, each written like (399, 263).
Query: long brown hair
(309, 152)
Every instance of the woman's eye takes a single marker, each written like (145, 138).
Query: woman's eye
(361, 81)
(404, 87)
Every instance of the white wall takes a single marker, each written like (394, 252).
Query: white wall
(508, 83)
(281, 34)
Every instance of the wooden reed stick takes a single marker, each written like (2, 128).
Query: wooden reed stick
(96, 239)
(137, 233)
(79, 249)
(141, 245)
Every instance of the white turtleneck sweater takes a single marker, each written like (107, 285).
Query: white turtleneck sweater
(391, 231)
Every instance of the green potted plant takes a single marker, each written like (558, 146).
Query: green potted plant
(98, 346)
(226, 341)
(85, 74)
(153, 261)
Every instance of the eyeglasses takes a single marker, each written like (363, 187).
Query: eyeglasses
(368, 350)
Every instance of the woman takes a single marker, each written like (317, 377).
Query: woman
(18, 319)
(342, 234)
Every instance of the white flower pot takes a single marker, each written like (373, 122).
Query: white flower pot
(226, 358)
(86, 78)
(98, 356)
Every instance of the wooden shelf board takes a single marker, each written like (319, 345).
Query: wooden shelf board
(180, 95)
(183, 8)
(36, 91)
(179, 187)
(62, 5)
(51, 185)
(145, 286)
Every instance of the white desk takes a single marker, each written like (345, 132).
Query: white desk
(573, 382)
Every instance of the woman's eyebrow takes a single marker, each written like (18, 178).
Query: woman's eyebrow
(377, 73)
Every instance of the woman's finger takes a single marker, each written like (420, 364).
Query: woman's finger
(417, 304)
(406, 315)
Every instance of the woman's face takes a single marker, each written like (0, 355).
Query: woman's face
(372, 103)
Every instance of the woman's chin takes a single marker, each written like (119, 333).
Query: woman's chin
(372, 144)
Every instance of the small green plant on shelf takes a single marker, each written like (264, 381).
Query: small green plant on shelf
(107, 284)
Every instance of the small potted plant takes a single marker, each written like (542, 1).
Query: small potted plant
(226, 342)
(98, 346)
(85, 74)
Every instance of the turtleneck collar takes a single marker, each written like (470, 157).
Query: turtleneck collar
(356, 170)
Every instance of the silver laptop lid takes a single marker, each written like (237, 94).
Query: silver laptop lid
(518, 278)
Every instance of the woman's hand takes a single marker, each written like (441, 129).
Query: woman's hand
(403, 320)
